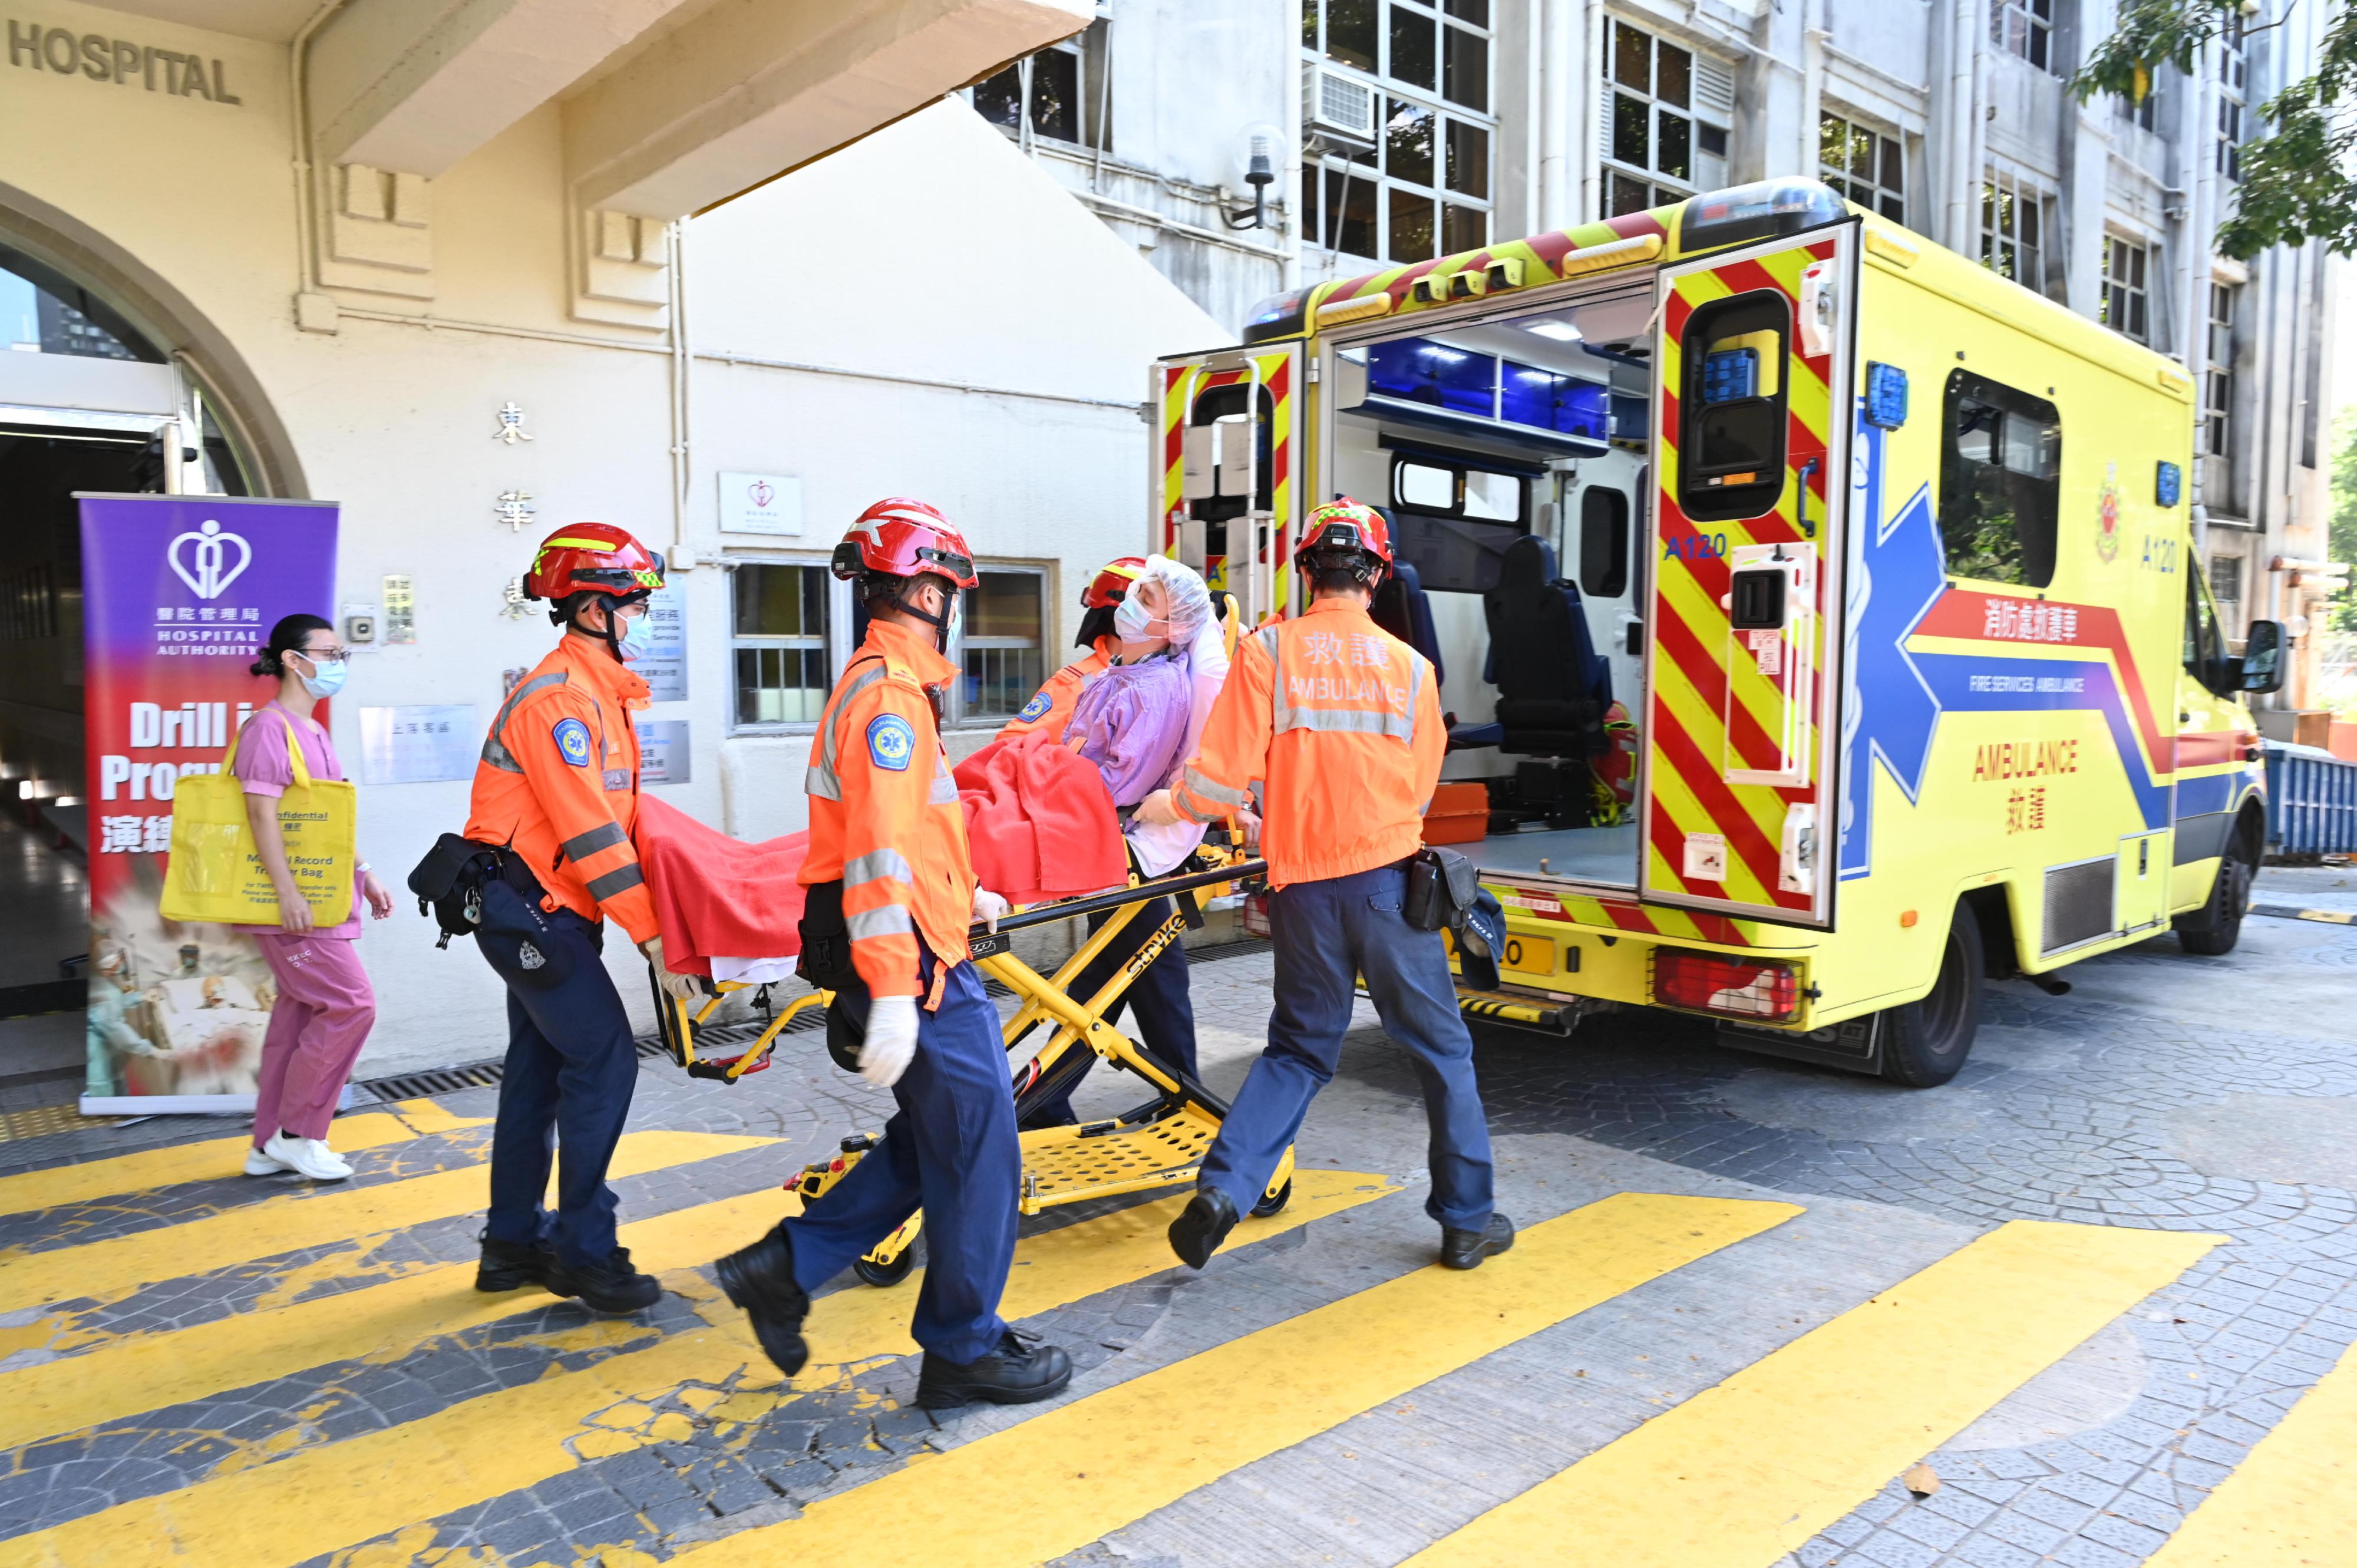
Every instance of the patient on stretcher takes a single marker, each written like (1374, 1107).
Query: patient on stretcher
(1134, 721)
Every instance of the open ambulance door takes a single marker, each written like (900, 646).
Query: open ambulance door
(1228, 471)
(1752, 427)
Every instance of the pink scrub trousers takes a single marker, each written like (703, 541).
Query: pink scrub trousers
(322, 1018)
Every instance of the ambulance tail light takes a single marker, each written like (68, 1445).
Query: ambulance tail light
(1760, 989)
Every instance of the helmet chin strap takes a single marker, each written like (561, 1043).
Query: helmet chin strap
(939, 623)
(611, 635)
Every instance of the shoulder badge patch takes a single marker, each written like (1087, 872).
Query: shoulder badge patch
(892, 741)
(1037, 707)
(572, 741)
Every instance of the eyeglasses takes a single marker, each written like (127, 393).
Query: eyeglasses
(323, 655)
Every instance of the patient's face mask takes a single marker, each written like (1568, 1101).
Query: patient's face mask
(1133, 620)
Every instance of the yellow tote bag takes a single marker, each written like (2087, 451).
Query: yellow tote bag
(215, 872)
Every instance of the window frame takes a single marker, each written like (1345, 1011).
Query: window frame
(1663, 187)
(2013, 402)
(1728, 500)
(956, 713)
(834, 639)
(2024, 29)
(2218, 597)
(2000, 184)
(2129, 264)
(1327, 176)
(1886, 146)
(1091, 51)
(2218, 372)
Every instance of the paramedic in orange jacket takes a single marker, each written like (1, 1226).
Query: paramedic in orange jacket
(888, 845)
(1339, 723)
(1051, 708)
(558, 787)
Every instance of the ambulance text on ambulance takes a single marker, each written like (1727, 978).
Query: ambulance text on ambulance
(2026, 760)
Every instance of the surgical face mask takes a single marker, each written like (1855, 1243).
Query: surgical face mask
(637, 639)
(326, 677)
(1132, 620)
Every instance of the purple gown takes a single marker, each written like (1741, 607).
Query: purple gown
(1130, 722)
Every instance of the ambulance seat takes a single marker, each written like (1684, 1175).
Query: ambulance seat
(1554, 688)
(1402, 608)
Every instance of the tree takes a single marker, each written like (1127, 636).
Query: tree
(2343, 535)
(2297, 181)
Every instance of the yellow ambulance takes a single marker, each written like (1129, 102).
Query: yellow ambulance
(1815, 610)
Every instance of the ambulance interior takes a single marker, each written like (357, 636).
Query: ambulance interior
(1511, 457)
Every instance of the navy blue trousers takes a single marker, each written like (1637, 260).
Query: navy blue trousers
(1165, 1010)
(950, 1149)
(572, 1067)
(1326, 933)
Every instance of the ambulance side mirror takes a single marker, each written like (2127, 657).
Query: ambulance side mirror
(2263, 657)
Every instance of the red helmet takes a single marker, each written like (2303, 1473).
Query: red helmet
(900, 538)
(1344, 524)
(591, 557)
(1111, 585)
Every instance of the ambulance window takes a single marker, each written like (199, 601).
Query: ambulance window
(1731, 425)
(1603, 543)
(2000, 482)
(2205, 644)
(1452, 518)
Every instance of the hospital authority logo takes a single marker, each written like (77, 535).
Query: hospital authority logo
(200, 558)
(2107, 515)
(890, 742)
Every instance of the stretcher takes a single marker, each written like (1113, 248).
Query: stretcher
(1158, 1143)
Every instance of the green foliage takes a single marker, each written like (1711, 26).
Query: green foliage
(2341, 538)
(2296, 181)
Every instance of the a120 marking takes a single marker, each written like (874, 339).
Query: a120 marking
(2159, 554)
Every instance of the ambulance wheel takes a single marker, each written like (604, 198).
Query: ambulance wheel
(1924, 1043)
(886, 1275)
(2218, 926)
(1274, 1202)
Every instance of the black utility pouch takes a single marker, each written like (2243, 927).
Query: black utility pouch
(448, 883)
(825, 960)
(1440, 884)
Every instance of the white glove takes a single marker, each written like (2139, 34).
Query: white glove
(988, 906)
(683, 987)
(891, 1039)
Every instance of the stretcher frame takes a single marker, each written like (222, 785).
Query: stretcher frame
(1160, 1144)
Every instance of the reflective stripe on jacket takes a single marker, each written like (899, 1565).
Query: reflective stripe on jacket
(884, 813)
(1339, 722)
(1059, 692)
(559, 782)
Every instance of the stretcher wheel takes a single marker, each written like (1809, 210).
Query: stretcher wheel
(1274, 1202)
(884, 1275)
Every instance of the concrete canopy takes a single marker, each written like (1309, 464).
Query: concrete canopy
(669, 105)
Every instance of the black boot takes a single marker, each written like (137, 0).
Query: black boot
(511, 1265)
(761, 1280)
(612, 1285)
(1201, 1225)
(1466, 1249)
(1021, 1369)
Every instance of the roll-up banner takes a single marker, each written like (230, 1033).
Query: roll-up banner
(178, 597)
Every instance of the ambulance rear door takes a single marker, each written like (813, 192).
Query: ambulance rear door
(1228, 471)
(1740, 735)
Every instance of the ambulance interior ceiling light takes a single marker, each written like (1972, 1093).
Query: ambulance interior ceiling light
(1555, 327)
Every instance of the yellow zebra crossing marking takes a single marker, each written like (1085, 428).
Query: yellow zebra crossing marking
(2292, 1502)
(1104, 1461)
(320, 1499)
(379, 1323)
(183, 1162)
(1740, 1475)
(114, 1268)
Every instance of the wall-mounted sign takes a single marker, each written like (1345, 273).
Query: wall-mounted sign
(400, 611)
(664, 668)
(118, 60)
(761, 503)
(662, 751)
(419, 744)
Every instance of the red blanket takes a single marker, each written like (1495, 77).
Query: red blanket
(1039, 822)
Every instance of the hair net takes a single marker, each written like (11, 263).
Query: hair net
(1190, 600)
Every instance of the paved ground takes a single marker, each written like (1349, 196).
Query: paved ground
(2083, 1283)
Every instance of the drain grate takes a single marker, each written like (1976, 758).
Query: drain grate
(434, 1080)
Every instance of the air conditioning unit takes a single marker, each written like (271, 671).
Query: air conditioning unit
(1336, 107)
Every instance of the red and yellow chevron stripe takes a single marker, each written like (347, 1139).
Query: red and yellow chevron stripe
(1183, 384)
(1704, 716)
(1611, 915)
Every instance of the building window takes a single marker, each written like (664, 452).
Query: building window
(1653, 143)
(1423, 189)
(1001, 644)
(2226, 583)
(2013, 228)
(2218, 380)
(777, 641)
(2024, 28)
(1064, 87)
(2232, 75)
(2126, 304)
(2000, 482)
(2145, 114)
(1863, 164)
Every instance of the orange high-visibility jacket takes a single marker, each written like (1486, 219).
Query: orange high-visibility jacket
(1051, 708)
(1340, 720)
(559, 782)
(884, 816)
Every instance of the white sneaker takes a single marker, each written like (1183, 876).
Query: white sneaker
(259, 1164)
(307, 1157)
